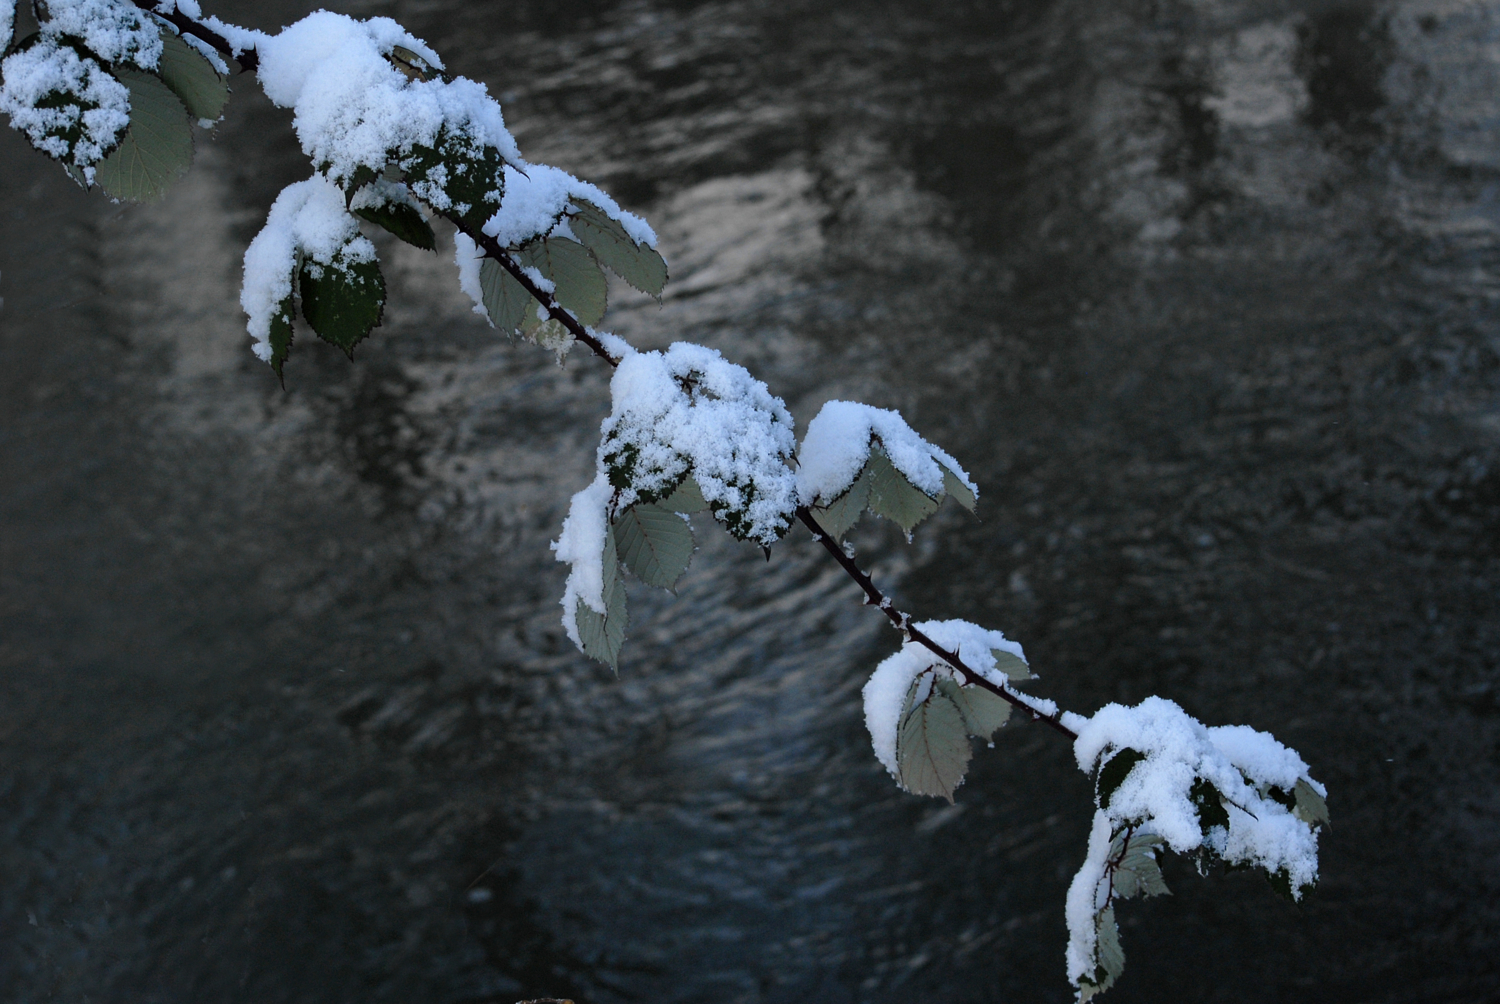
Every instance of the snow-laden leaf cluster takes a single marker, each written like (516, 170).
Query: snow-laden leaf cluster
(110, 93)
(1229, 793)
(857, 458)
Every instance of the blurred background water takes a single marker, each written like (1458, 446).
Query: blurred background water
(1202, 293)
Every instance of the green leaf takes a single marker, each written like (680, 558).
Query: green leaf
(655, 543)
(1210, 805)
(958, 490)
(1310, 806)
(342, 300)
(1108, 955)
(157, 147)
(581, 287)
(1137, 871)
(686, 497)
(191, 77)
(505, 299)
(932, 747)
(982, 711)
(1114, 772)
(1012, 665)
(839, 516)
(405, 221)
(637, 264)
(603, 634)
(894, 497)
(281, 334)
(459, 172)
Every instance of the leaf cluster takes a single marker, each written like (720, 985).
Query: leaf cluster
(882, 489)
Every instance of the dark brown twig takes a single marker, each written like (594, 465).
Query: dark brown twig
(248, 59)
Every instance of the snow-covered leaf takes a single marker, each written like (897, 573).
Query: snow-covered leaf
(1108, 956)
(1310, 806)
(655, 543)
(155, 150)
(839, 516)
(459, 176)
(192, 78)
(1210, 805)
(894, 497)
(581, 287)
(603, 634)
(932, 747)
(343, 300)
(958, 490)
(405, 221)
(982, 711)
(1114, 772)
(64, 102)
(637, 264)
(686, 497)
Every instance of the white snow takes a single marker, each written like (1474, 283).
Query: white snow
(536, 196)
(7, 22)
(885, 692)
(688, 407)
(117, 32)
(1178, 750)
(837, 445)
(581, 544)
(307, 217)
(1086, 897)
(353, 108)
(47, 67)
(468, 257)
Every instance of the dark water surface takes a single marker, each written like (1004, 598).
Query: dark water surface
(1204, 295)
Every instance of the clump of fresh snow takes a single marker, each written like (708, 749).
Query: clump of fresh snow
(7, 21)
(354, 109)
(468, 258)
(1154, 798)
(537, 196)
(581, 544)
(99, 110)
(885, 692)
(837, 445)
(1087, 895)
(689, 409)
(307, 218)
(116, 32)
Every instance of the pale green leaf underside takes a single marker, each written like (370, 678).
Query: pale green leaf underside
(982, 711)
(157, 147)
(958, 490)
(1310, 808)
(839, 516)
(637, 264)
(932, 748)
(580, 286)
(192, 78)
(655, 543)
(1014, 668)
(1107, 953)
(1137, 872)
(686, 497)
(505, 299)
(894, 497)
(603, 634)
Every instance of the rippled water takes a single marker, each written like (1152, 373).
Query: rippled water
(1202, 293)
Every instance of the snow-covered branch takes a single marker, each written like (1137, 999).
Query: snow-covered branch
(112, 91)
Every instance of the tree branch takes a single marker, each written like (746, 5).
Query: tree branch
(492, 249)
(902, 622)
(248, 59)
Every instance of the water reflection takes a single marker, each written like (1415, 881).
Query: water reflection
(1201, 293)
